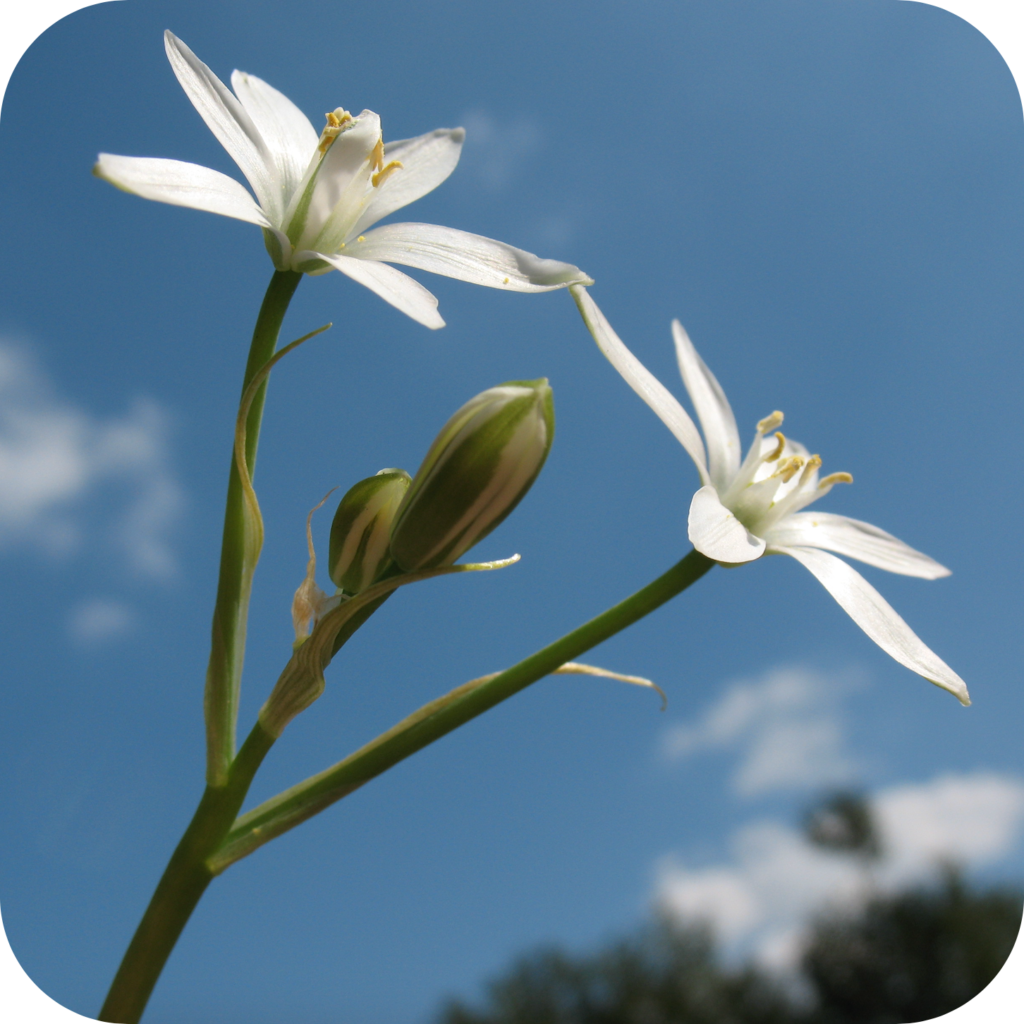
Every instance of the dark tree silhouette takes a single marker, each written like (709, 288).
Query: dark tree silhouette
(913, 956)
(844, 823)
(664, 975)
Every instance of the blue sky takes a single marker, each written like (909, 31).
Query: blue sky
(829, 196)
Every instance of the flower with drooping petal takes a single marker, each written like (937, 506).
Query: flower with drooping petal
(318, 195)
(752, 506)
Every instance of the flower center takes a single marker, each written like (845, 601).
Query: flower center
(347, 168)
(778, 477)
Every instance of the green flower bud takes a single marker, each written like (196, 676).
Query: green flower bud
(361, 528)
(482, 463)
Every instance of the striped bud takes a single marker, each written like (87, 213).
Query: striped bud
(479, 467)
(359, 534)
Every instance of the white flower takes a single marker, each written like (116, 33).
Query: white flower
(318, 194)
(752, 507)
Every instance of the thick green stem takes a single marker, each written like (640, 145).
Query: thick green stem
(183, 883)
(230, 614)
(308, 798)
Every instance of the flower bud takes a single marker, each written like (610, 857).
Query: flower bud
(479, 467)
(361, 528)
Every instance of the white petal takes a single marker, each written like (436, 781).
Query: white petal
(181, 184)
(391, 285)
(714, 531)
(854, 539)
(426, 162)
(286, 130)
(228, 121)
(713, 410)
(876, 617)
(466, 257)
(641, 380)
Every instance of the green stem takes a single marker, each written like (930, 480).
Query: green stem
(231, 610)
(308, 798)
(228, 777)
(183, 883)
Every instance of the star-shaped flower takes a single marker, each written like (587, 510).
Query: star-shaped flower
(752, 506)
(318, 195)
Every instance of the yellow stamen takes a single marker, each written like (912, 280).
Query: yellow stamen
(813, 463)
(788, 468)
(780, 444)
(377, 156)
(336, 122)
(770, 422)
(835, 478)
(385, 172)
(361, 238)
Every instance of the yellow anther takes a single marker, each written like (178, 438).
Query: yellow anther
(813, 463)
(835, 478)
(770, 422)
(361, 238)
(780, 444)
(377, 156)
(336, 122)
(385, 172)
(505, 281)
(788, 468)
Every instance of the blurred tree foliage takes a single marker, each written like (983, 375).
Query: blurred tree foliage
(902, 957)
(663, 974)
(912, 956)
(843, 823)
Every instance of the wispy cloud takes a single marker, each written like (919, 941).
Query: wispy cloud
(786, 725)
(761, 899)
(98, 619)
(495, 150)
(56, 459)
(553, 232)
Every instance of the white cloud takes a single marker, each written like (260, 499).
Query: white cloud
(97, 620)
(774, 881)
(787, 725)
(55, 458)
(971, 819)
(494, 151)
